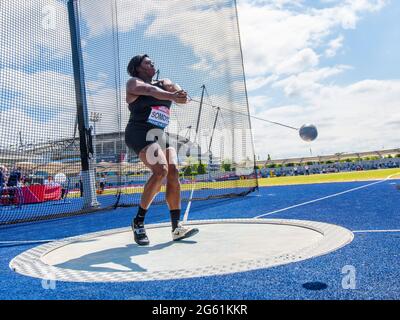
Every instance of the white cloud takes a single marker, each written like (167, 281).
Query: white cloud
(333, 46)
(199, 25)
(283, 42)
(302, 60)
(306, 83)
(256, 83)
(42, 106)
(131, 13)
(47, 88)
(358, 117)
(33, 130)
(211, 33)
(370, 5)
(258, 102)
(25, 38)
(276, 3)
(273, 35)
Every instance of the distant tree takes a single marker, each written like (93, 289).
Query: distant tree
(227, 167)
(188, 171)
(201, 169)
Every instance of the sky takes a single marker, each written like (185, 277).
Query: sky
(332, 63)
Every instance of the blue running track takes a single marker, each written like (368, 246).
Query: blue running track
(374, 255)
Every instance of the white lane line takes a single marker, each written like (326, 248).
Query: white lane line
(365, 231)
(186, 215)
(327, 197)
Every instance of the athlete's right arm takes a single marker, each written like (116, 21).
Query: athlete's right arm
(137, 87)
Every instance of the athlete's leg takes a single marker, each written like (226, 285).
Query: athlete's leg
(173, 193)
(173, 196)
(154, 158)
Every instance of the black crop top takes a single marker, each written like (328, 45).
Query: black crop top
(147, 111)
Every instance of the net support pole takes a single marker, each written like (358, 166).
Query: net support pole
(210, 162)
(213, 130)
(85, 138)
(247, 99)
(198, 121)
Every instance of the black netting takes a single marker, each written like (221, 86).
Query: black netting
(193, 43)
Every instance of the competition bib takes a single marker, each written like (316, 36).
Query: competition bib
(159, 116)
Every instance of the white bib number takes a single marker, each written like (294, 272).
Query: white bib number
(159, 116)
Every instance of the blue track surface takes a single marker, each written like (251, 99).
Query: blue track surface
(375, 256)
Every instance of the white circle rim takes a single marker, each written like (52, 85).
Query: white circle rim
(29, 263)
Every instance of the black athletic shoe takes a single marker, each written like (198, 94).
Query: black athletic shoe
(139, 232)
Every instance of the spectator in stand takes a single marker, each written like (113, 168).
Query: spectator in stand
(15, 177)
(2, 177)
(102, 183)
(13, 182)
(64, 189)
(2, 182)
(81, 187)
(50, 182)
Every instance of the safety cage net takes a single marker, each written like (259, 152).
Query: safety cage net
(63, 111)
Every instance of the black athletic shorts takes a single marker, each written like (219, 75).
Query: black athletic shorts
(139, 136)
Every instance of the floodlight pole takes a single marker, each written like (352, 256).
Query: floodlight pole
(95, 117)
(85, 135)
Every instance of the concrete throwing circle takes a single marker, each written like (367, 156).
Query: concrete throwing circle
(221, 247)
